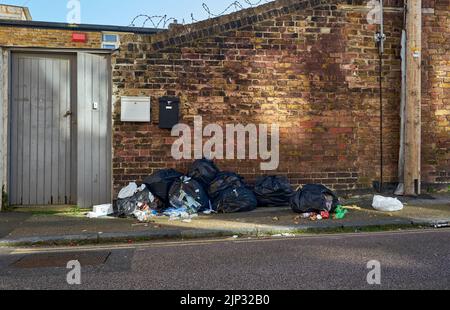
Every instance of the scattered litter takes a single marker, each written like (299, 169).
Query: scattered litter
(144, 213)
(306, 215)
(387, 204)
(400, 191)
(441, 225)
(101, 211)
(91, 215)
(284, 235)
(176, 214)
(187, 221)
(209, 212)
(355, 208)
(104, 210)
(139, 224)
(276, 219)
(340, 213)
(235, 237)
(325, 215)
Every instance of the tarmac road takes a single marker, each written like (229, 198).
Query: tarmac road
(409, 260)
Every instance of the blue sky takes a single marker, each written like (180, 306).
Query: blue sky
(121, 12)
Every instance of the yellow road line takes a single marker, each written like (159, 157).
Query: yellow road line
(139, 246)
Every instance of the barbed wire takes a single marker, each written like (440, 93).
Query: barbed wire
(163, 20)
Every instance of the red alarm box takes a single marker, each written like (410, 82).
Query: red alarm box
(79, 37)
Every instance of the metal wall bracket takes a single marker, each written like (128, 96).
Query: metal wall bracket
(380, 38)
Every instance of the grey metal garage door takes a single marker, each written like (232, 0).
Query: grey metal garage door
(94, 130)
(41, 144)
(60, 130)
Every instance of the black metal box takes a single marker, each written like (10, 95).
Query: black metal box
(169, 112)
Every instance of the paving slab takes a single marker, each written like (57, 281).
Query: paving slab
(25, 226)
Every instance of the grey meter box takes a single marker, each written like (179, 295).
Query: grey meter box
(169, 112)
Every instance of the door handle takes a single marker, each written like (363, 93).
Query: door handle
(68, 113)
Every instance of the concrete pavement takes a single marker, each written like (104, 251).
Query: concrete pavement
(408, 260)
(34, 226)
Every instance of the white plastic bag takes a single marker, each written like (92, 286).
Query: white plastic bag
(128, 191)
(387, 204)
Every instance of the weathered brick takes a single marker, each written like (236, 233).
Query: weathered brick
(313, 71)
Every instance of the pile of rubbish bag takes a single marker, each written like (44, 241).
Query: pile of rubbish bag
(205, 189)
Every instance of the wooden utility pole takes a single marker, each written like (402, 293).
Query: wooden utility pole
(413, 109)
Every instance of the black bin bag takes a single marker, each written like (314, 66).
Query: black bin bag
(203, 171)
(224, 181)
(190, 194)
(314, 198)
(273, 191)
(160, 183)
(232, 200)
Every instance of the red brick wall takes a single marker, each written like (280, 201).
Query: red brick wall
(313, 71)
(436, 94)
